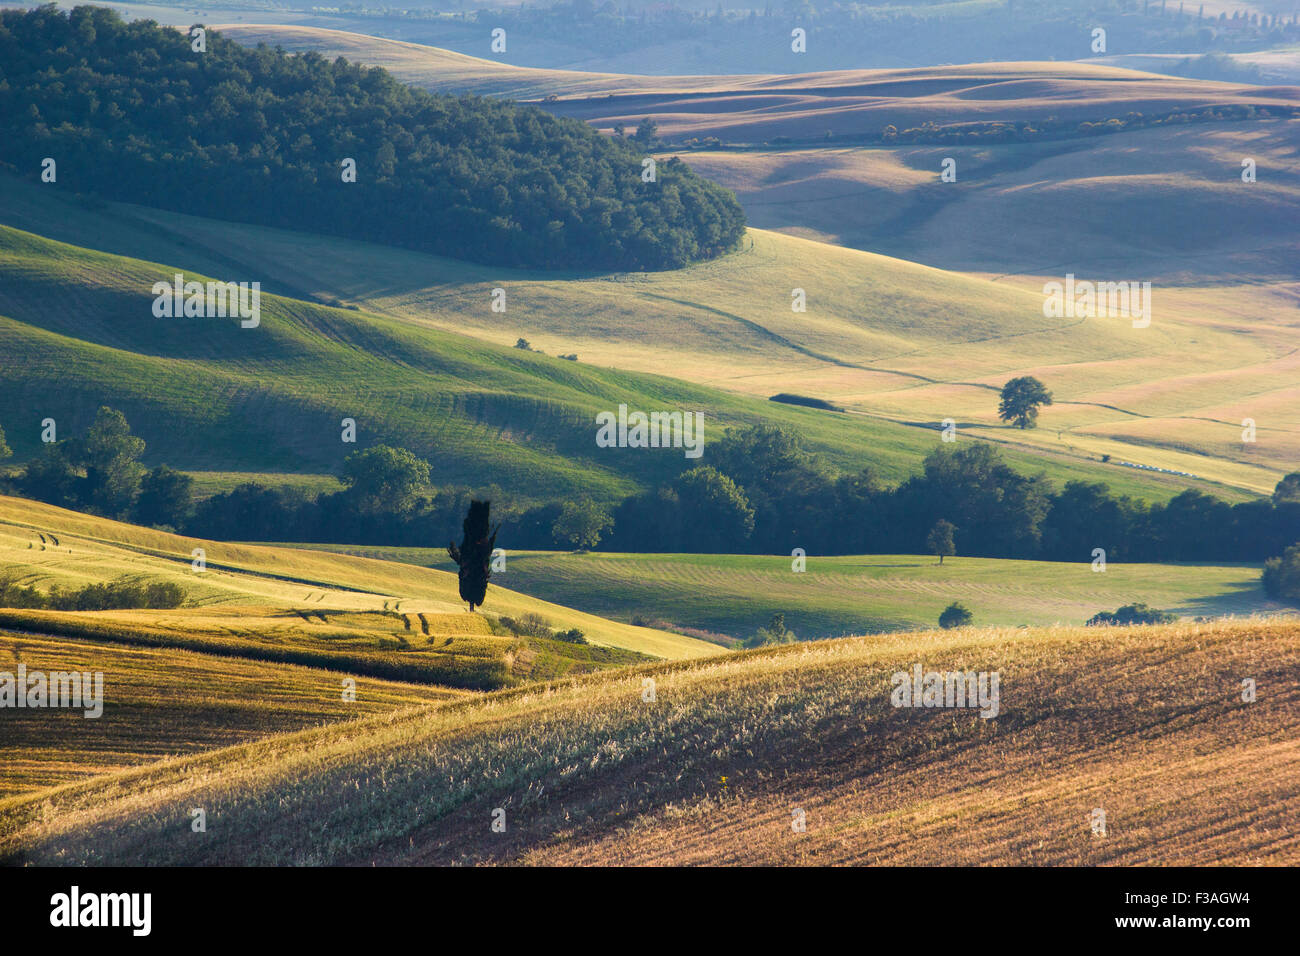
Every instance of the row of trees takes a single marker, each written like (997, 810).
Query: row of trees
(762, 492)
(132, 112)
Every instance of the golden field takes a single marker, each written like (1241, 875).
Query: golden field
(1147, 724)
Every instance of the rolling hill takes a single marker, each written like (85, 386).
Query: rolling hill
(271, 602)
(408, 372)
(262, 644)
(1165, 205)
(901, 345)
(164, 702)
(753, 108)
(1160, 201)
(1148, 725)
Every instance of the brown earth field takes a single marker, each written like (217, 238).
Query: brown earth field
(1147, 724)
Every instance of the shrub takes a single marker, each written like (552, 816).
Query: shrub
(1281, 577)
(113, 596)
(529, 624)
(775, 633)
(1131, 614)
(788, 398)
(955, 614)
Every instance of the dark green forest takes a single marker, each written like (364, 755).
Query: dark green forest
(130, 112)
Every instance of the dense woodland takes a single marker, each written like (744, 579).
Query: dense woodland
(131, 112)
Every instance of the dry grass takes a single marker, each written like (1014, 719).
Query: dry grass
(159, 703)
(1146, 723)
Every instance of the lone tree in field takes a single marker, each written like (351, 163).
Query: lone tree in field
(5, 450)
(647, 131)
(110, 454)
(384, 478)
(474, 556)
(955, 614)
(940, 540)
(1020, 400)
(775, 633)
(581, 525)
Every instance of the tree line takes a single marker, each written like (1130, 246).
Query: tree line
(131, 112)
(761, 492)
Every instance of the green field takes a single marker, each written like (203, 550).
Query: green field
(207, 395)
(734, 595)
(427, 365)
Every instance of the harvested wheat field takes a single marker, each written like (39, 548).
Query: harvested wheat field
(1147, 724)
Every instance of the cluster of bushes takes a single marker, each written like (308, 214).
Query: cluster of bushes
(1281, 578)
(131, 112)
(955, 614)
(113, 596)
(1131, 614)
(386, 498)
(531, 624)
(100, 472)
(775, 633)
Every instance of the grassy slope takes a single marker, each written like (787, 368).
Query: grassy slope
(900, 343)
(736, 594)
(252, 599)
(1146, 723)
(273, 397)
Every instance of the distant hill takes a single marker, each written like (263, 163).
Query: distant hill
(753, 108)
(698, 36)
(133, 112)
(805, 154)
